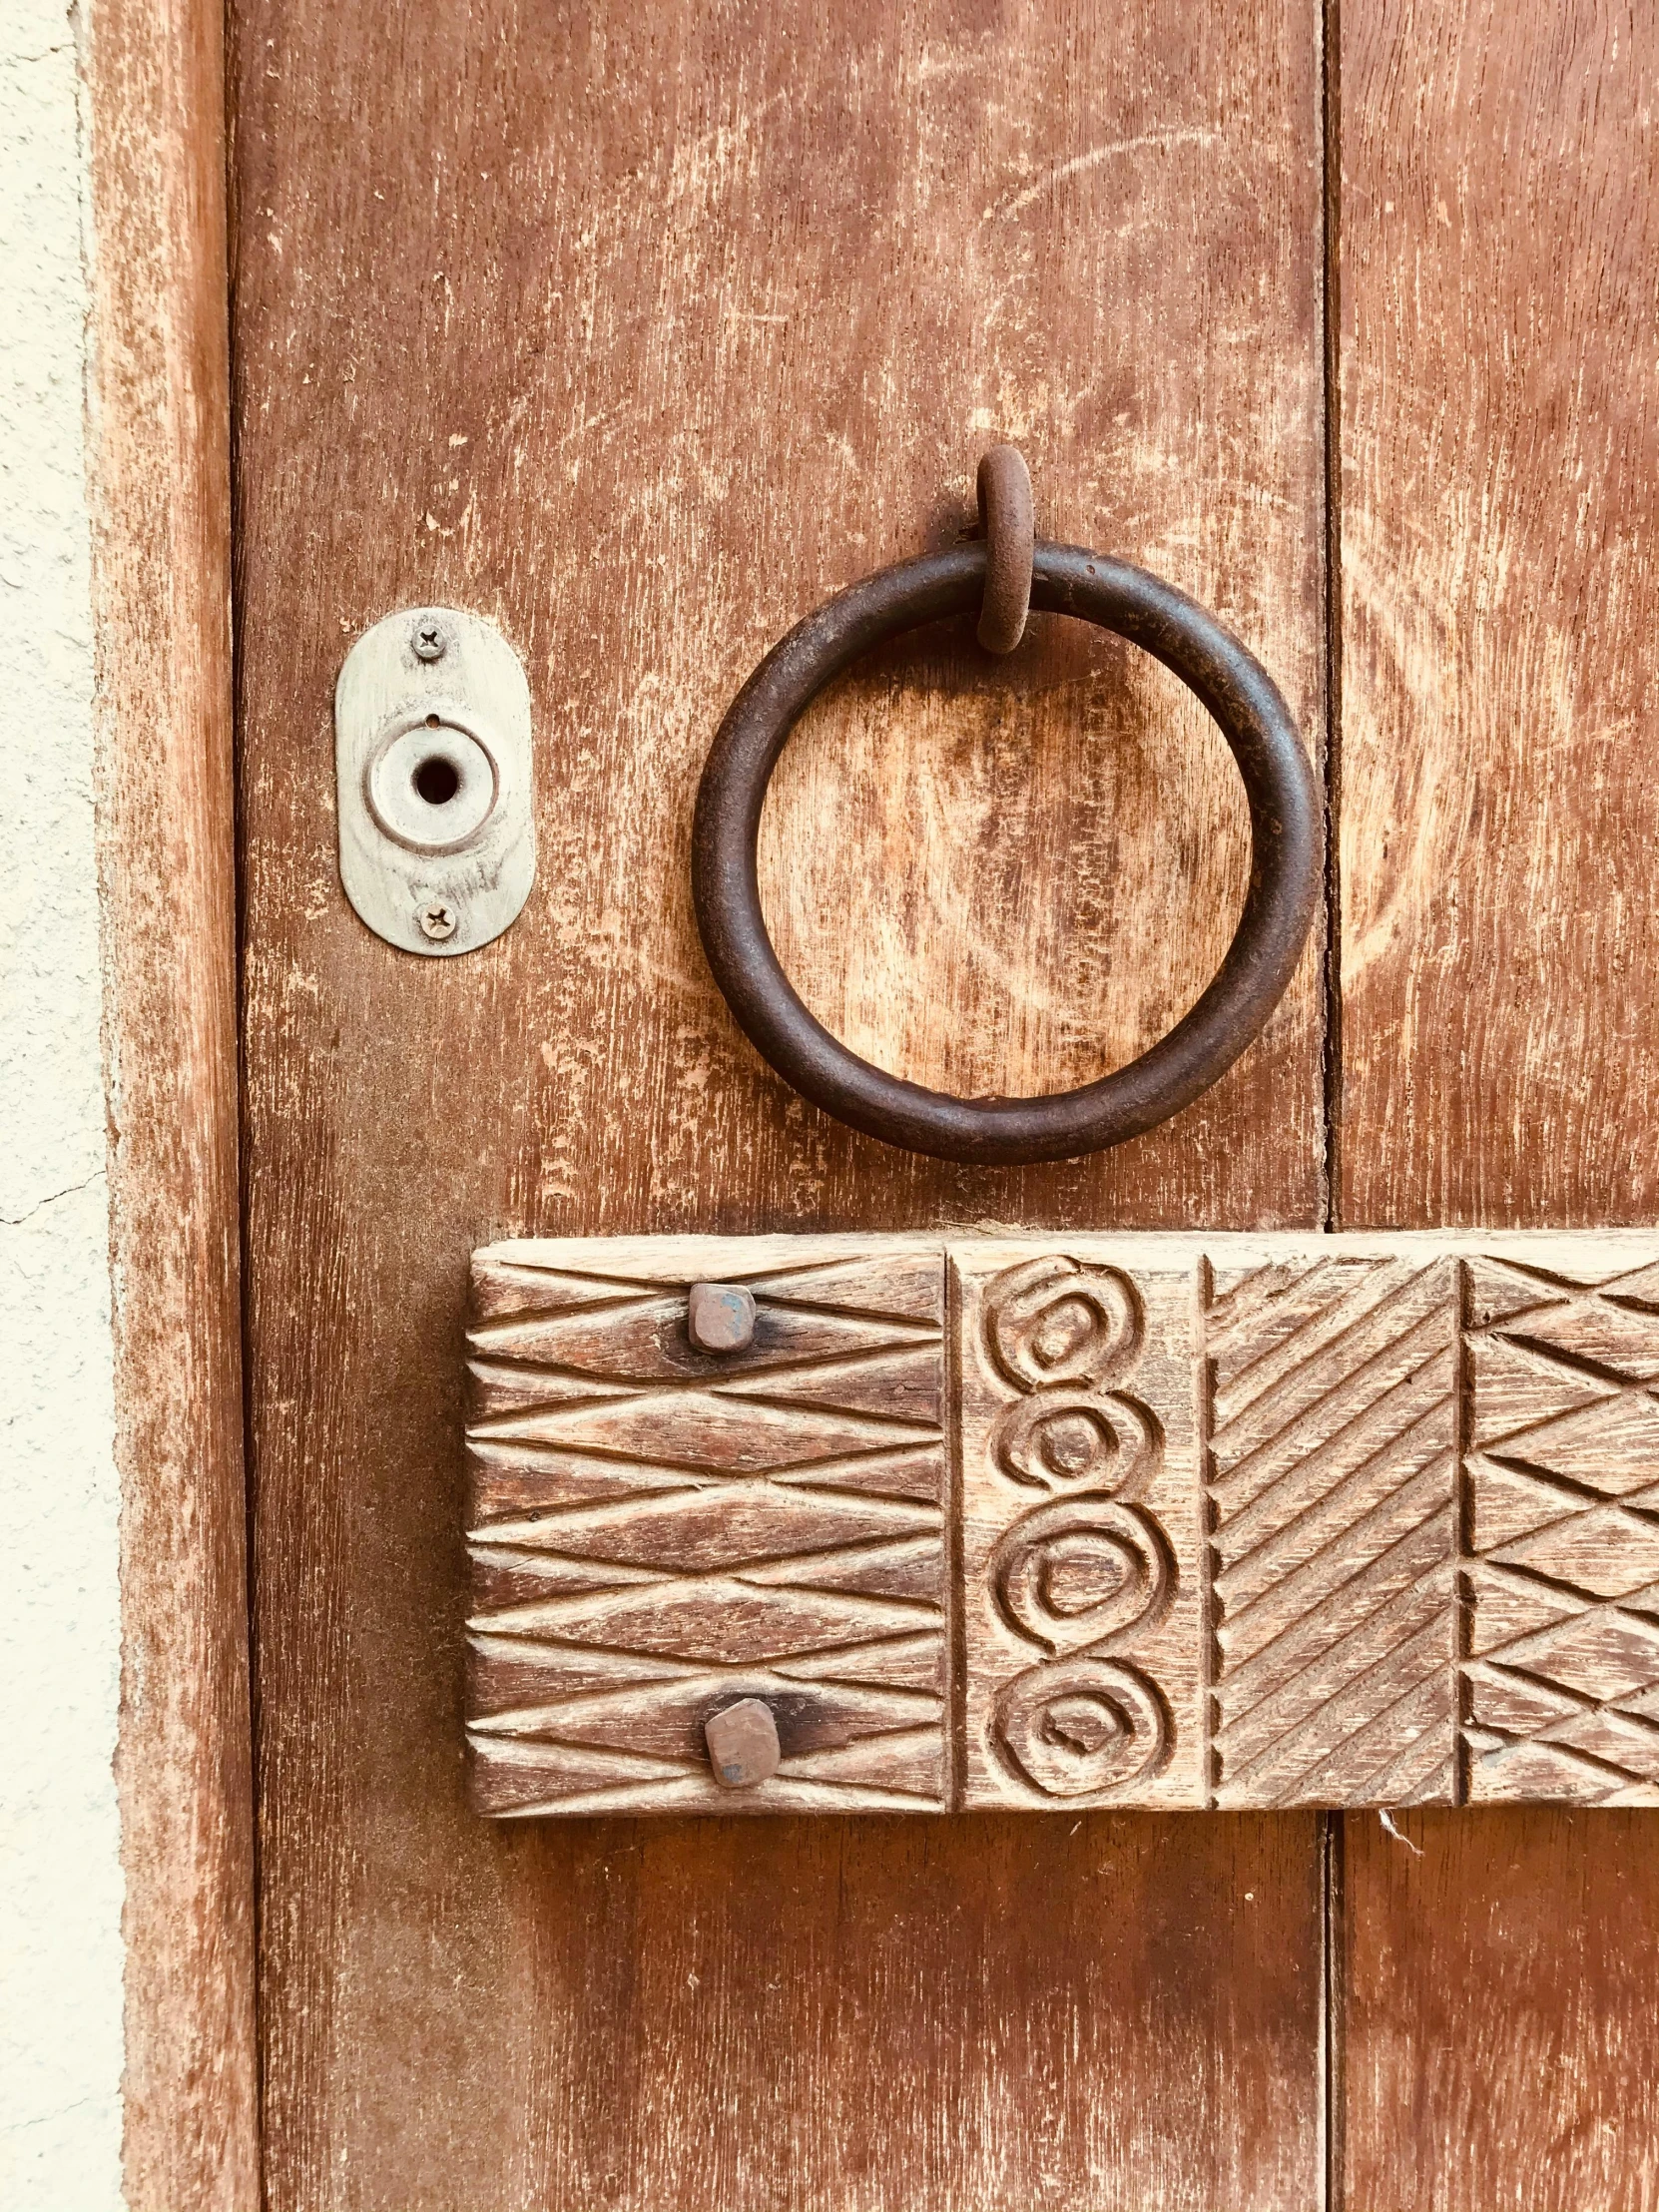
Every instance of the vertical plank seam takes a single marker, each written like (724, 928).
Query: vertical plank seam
(1333, 1990)
(228, 58)
(250, 1465)
(1330, 305)
(1333, 2003)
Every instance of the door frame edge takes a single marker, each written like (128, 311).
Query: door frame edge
(159, 484)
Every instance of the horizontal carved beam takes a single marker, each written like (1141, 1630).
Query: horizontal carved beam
(1051, 1523)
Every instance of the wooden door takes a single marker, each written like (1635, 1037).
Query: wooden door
(640, 333)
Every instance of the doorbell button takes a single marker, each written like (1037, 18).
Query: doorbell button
(433, 766)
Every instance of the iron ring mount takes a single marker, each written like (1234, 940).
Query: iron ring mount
(1286, 829)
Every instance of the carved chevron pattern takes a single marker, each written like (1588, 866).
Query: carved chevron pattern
(1561, 1679)
(658, 1531)
(1332, 1449)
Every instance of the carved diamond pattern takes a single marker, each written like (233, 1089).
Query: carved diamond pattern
(1563, 1645)
(658, 1531)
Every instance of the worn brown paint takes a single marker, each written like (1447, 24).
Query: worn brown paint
(643, 333)
(1500, 1057)
(158, 450)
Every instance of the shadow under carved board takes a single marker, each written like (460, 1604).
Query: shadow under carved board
(1134, 1520)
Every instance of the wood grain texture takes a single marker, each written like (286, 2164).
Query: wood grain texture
(159, 439)
(639, 334)
(1501, 435)
(1499, 2040)
(1499, 233)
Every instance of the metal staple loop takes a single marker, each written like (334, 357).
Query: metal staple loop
(1007, 518)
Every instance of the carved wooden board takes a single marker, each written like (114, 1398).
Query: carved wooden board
(1139, 1520)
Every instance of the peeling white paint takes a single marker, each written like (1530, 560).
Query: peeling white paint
(60, 1645)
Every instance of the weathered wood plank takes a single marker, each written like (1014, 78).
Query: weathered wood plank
(1499, 241)
(641, 333)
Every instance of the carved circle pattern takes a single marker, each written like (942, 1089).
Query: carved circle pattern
(1057, 1321)
(1105, 1440)
(1078, 1726)
(1084, 1570)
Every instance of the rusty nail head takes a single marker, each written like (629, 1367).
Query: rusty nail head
(429, 638)
(743, 1744)
(721, 1317)
(437, 920)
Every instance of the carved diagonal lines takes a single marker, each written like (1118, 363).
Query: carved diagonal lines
(1561, 1679)
(1330, 1387)
(657, 1530)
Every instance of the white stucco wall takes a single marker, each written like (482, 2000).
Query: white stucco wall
(60, 1870)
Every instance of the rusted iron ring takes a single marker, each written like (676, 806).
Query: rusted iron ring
(1286, 829)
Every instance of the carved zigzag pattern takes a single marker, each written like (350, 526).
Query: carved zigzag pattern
(1561, 1679)
(1331, 1392)
(657, 1530)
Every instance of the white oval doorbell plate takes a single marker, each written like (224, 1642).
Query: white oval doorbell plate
(437, 849)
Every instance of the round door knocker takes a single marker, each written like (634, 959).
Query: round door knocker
(1285, 833)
